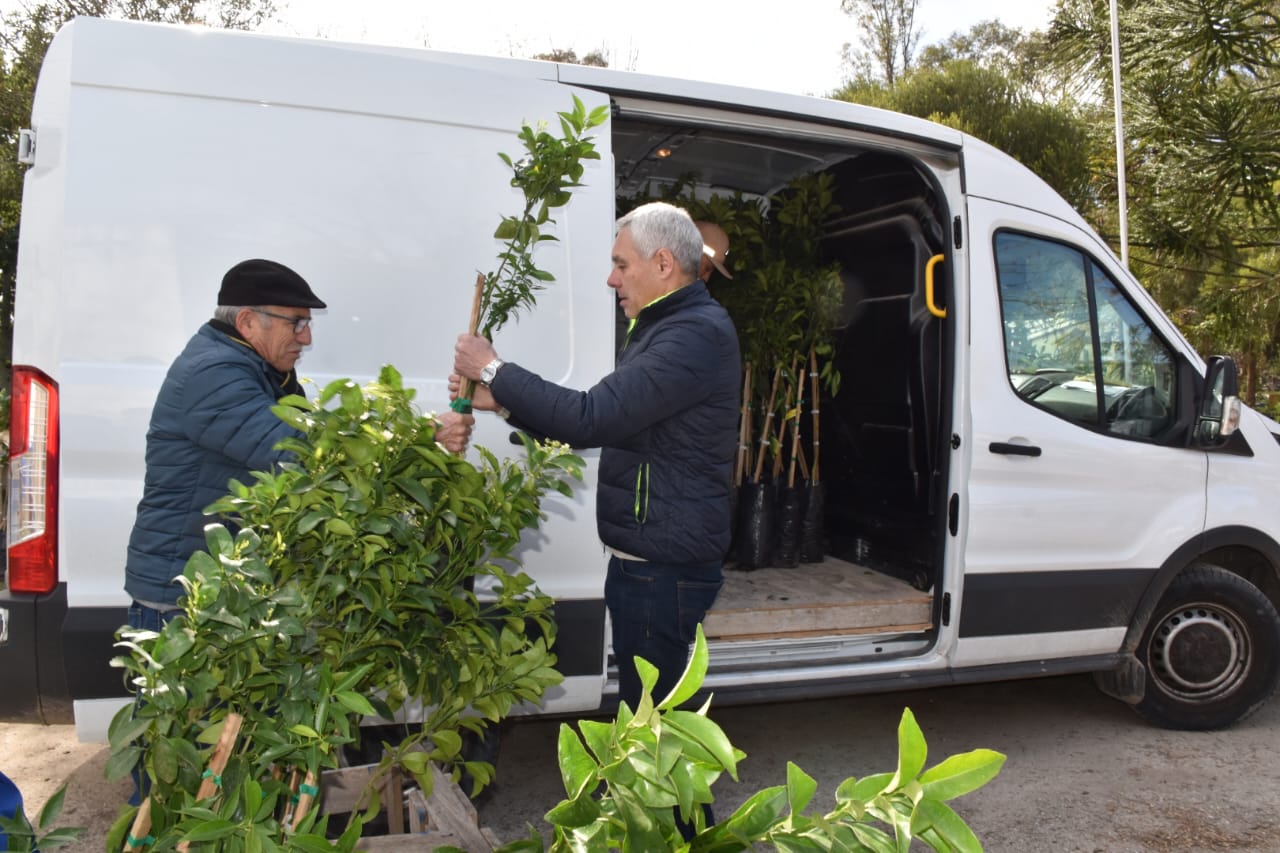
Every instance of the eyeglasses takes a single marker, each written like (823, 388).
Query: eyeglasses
(300, 324)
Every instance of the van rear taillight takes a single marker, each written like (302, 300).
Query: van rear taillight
(33, 482)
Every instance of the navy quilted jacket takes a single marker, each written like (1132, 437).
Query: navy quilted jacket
(667, 420)
(212, 423)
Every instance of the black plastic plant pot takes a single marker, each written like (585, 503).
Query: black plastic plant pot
(756, 525)
(813, 546)
(786, 545)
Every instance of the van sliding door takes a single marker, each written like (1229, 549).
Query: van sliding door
(1081, 484)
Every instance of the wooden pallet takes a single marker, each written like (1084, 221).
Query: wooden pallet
(416, 823)
(816, 599)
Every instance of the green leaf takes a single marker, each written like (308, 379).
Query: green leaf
(760, 813)
(309, 521)
(252, 796)
(598, 737)
(912, 750)
(800, 788)
(211, 830)
(447, 743)
(176, 644)
(61, 837)
(352, 678)
(218, 539)
(694, 673)
(52, 808)
(417, 491)
(122, 762)
(577, 769)
(508, 229)
(126, 730)
(648, 675)
(705, 732)
(939, 817)
(866, 789)
(352, 398)
(960, 774)
(355, 703)
(164, 759)
(338, 527)
(416, 762)
(571, 814)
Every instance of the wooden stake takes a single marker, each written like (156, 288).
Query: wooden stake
(137, 837)
(791, 402)
(795, 429)
(290, 804)
(218, 762)
(468, 386)
(221, 754)
(768, 420)
(804, 463)
(744, 430)
(813, 385)
(308, 795)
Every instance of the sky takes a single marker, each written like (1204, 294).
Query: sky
(794, 47)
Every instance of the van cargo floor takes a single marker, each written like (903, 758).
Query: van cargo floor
(815, 599)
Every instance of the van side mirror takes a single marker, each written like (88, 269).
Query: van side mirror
(1219, 415)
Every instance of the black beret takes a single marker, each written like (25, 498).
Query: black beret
(259, 282)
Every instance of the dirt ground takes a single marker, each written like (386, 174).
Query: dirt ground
(1084, 773)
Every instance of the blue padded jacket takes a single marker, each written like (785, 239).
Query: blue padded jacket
(212, 423)
(667, 420)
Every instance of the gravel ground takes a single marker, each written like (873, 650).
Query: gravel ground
(1083, 774)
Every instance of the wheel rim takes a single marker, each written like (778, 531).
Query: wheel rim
(1199, 652)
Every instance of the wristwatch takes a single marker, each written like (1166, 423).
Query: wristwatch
(490, 371)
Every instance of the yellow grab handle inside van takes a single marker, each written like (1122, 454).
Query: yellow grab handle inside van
(928, 288)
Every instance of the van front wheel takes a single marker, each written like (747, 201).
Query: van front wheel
(1211, 651)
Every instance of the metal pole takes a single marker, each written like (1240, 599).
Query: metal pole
(1116, 97)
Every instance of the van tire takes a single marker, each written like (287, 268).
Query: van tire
(1211, 651)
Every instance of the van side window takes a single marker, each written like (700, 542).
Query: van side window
(1075, 345)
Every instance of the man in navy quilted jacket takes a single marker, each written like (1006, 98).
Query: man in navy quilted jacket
(666, 419)
(213, 423)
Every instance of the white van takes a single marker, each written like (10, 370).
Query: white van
(1029, 469)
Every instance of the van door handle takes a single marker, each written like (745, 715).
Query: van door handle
(1013, 449)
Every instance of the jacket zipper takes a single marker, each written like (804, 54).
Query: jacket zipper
(642, 493)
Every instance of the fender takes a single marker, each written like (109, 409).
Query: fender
(1128, 682)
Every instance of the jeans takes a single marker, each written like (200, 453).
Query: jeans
(145, 618)
(655, 609)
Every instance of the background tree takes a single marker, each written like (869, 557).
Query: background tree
(595, 57)
(888, 38)
(1201, 106)
(986, 83)
(24, 38)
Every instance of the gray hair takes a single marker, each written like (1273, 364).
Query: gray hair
(659, 225)
(228, 313)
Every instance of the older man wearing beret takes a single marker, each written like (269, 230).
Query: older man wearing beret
(213, 423)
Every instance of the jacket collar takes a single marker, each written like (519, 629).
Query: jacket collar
(286, 383)
(669, 303)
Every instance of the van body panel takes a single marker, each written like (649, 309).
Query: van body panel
(1013, 648)
(1068, 509)
(816, 112)
(1237, 481)
(377, 258)
(128, 204)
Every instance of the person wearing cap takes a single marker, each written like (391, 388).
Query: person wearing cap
(715, 249)
(212, 423)
(666, 419)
